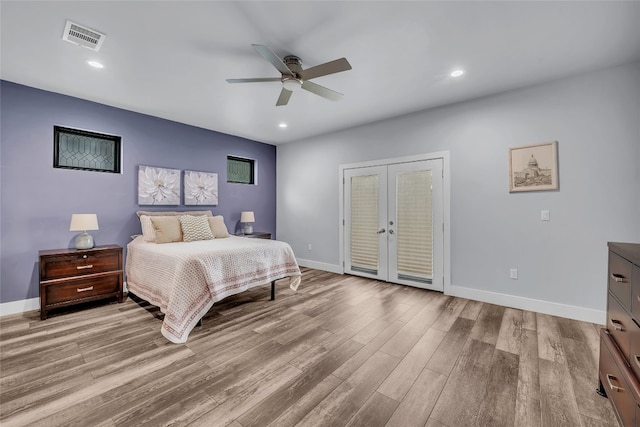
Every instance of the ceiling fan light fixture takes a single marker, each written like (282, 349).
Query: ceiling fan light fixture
(291, 84)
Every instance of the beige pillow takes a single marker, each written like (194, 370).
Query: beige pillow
(167, 229)
(195, 228)
(218, 227)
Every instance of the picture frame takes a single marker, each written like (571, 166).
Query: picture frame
(200, 188)
(158, 186)
(85, 150)
(533, 167)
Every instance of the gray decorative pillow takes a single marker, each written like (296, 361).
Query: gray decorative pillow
(195, 228)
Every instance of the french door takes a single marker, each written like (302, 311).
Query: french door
(394, 223)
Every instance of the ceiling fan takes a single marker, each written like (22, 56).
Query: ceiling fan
(294, 77)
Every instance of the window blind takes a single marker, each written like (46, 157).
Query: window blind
(414, 227)
(364, 223)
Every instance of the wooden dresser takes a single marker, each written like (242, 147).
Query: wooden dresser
(619, 367)
(74, 276)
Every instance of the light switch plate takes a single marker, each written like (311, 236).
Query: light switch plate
(544, 215)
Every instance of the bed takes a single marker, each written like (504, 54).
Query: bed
(185, 278)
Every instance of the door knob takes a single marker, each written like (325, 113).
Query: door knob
(381, 231)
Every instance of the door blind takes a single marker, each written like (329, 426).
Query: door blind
(364, 223)
(414, 225)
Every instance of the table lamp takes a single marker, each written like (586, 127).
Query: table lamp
(84, 222)
(247, 218)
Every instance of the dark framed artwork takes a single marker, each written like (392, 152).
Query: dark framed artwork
(85, 150)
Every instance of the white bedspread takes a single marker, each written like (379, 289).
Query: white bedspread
(185, 279)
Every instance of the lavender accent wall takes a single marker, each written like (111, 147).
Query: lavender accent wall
(37, 200)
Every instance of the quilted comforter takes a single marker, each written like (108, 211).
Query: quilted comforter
(184, 279)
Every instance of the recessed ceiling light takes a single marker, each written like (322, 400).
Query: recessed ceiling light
(95, 64)
(282, 125)
(456, 73)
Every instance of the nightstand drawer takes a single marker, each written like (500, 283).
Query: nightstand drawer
(80, 263)
(82, 289)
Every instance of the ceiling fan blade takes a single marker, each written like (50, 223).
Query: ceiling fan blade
(324, 69)
(265, 79)
(271, 57)
(322, 91)
(283, 99)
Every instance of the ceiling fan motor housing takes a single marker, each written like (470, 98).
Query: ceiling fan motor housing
(294, 63)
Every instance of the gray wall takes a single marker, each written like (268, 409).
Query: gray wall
(37, 200)
(594, 117)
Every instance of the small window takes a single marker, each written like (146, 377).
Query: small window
(79, 149)
(240, 170)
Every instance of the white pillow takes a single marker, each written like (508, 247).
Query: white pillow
(148, 231)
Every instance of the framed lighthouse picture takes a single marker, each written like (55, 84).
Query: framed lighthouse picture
(533, 167)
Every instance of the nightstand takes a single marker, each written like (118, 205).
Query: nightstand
(256, 235)
(74, 276)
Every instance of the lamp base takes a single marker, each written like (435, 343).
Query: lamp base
(84, 241)
(248, 229)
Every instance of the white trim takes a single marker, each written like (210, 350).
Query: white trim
(320, 266)
(539, 306)
(20, 306)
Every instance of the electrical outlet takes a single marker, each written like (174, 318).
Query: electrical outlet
(309, 247)
(513, 273)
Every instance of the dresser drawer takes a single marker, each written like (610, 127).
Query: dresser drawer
(613, 380)
(620, 325)
(634, 349)
(79, 263)
(78, 289)
(620, 279)
(635, 292)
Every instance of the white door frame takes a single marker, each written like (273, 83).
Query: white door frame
(446, 202)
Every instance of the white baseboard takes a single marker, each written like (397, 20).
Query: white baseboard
(21, 306)
(540, 306)
(320, 266)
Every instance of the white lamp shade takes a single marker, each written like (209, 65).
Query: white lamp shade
(247, 217)
(83, 222)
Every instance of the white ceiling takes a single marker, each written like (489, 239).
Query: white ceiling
(170, 59)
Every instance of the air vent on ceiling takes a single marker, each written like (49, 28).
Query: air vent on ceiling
(83, 36)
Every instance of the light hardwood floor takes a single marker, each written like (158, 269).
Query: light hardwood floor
(342, 350)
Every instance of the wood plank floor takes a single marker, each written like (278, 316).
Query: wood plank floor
(341, 351)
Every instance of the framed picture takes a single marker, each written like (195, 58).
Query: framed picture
(158, 186)
(84, 150)
(200, 188)
(533, 167)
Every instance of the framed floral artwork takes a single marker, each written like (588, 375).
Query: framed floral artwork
(200, 188)
(533, 167)
(158, 186)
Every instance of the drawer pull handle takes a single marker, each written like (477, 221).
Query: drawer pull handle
(617, 325)
(90, 288)
(613, 387)
(82, 267)
(617, 277)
